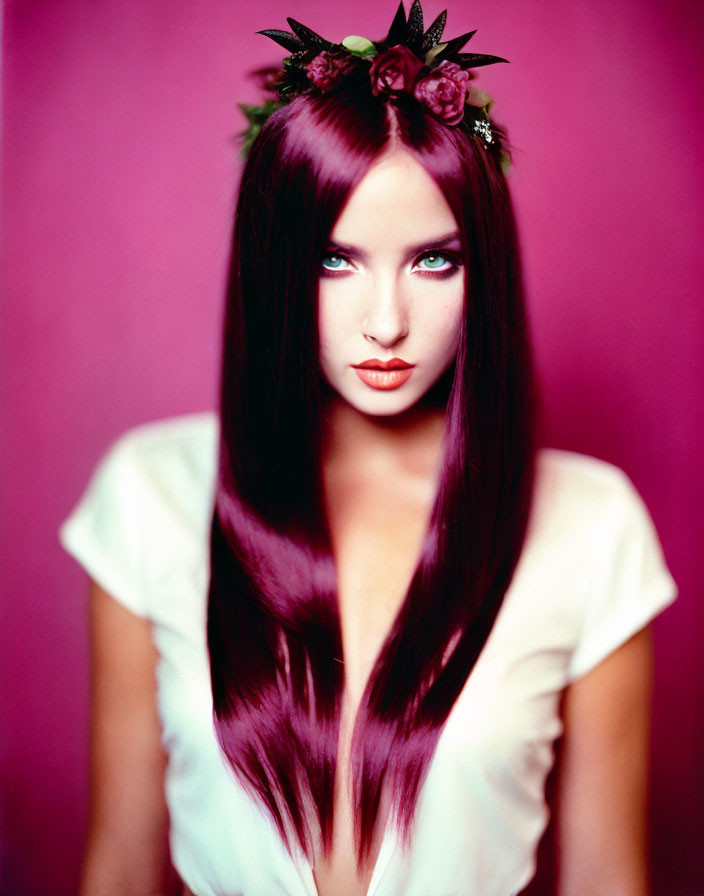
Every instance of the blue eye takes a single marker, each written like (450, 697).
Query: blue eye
(435, 262)
(441, 263)
(334, 263)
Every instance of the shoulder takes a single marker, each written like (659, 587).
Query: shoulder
(142, 522)
(186, 441)
(589, 513)
(592, 530)
(158, 477)
(569, 476)
(169, 462)
(580, 496)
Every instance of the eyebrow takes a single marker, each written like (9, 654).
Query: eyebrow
(410, 251)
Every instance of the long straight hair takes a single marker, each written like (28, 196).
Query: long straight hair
(273, 621)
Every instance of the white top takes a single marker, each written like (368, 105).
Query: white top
(591, 574)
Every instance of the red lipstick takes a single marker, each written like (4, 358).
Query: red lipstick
(384, 374)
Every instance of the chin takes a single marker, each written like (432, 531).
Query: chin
(385, 412)
(389, 403)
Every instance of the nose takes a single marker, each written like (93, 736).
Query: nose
(387, 322)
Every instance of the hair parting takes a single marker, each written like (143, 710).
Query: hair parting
(273, 622)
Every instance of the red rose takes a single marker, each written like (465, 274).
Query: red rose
(326, 71)
(444, 91)
(394, 71)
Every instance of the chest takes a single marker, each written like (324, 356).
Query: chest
(481, 809)
(377, 527)
(377, 530)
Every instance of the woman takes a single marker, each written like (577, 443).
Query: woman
(395, 607)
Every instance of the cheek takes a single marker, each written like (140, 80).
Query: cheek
(328, 324)
(334, 327)
(444, 326)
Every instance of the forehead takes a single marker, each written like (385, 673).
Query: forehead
(396, 201)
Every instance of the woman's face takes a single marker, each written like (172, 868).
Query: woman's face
(391, 289)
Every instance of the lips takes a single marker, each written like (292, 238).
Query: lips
(384, 374)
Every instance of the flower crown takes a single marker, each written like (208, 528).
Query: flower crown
(408, 61)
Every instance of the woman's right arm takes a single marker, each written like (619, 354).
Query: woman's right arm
(126, 852)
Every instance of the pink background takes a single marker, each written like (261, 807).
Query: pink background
(119, 173)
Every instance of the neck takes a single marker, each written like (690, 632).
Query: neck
(412, 440)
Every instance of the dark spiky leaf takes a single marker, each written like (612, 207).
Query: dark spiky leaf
(433, 35)
(310, 39)
(296, 72)
(398, 28)
(456, 44)
(283, 38)
(451, 48)
(475, 60)
(414, 28)
(297, 60)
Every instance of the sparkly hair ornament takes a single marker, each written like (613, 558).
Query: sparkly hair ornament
(408, 61)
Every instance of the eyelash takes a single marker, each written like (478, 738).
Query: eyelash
(454, 260)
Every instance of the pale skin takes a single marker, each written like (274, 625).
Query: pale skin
(380, 472)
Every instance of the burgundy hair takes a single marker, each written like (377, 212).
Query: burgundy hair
(273, 622)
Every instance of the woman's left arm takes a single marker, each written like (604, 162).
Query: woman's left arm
(602, 795)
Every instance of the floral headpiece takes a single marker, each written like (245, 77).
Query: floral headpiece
(408, 61)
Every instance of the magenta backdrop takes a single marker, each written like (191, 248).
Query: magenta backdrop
(119, 172)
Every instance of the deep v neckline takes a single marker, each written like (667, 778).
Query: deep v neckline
(390, 841)
(390, 836)
(383, 842)
(389, 844)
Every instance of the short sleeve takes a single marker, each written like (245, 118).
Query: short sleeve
(141, 529)
(629, 583)
(105, 530)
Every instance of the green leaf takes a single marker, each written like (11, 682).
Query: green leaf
(257, 115)
(249, 136)
(431, 54)
(359, 46)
